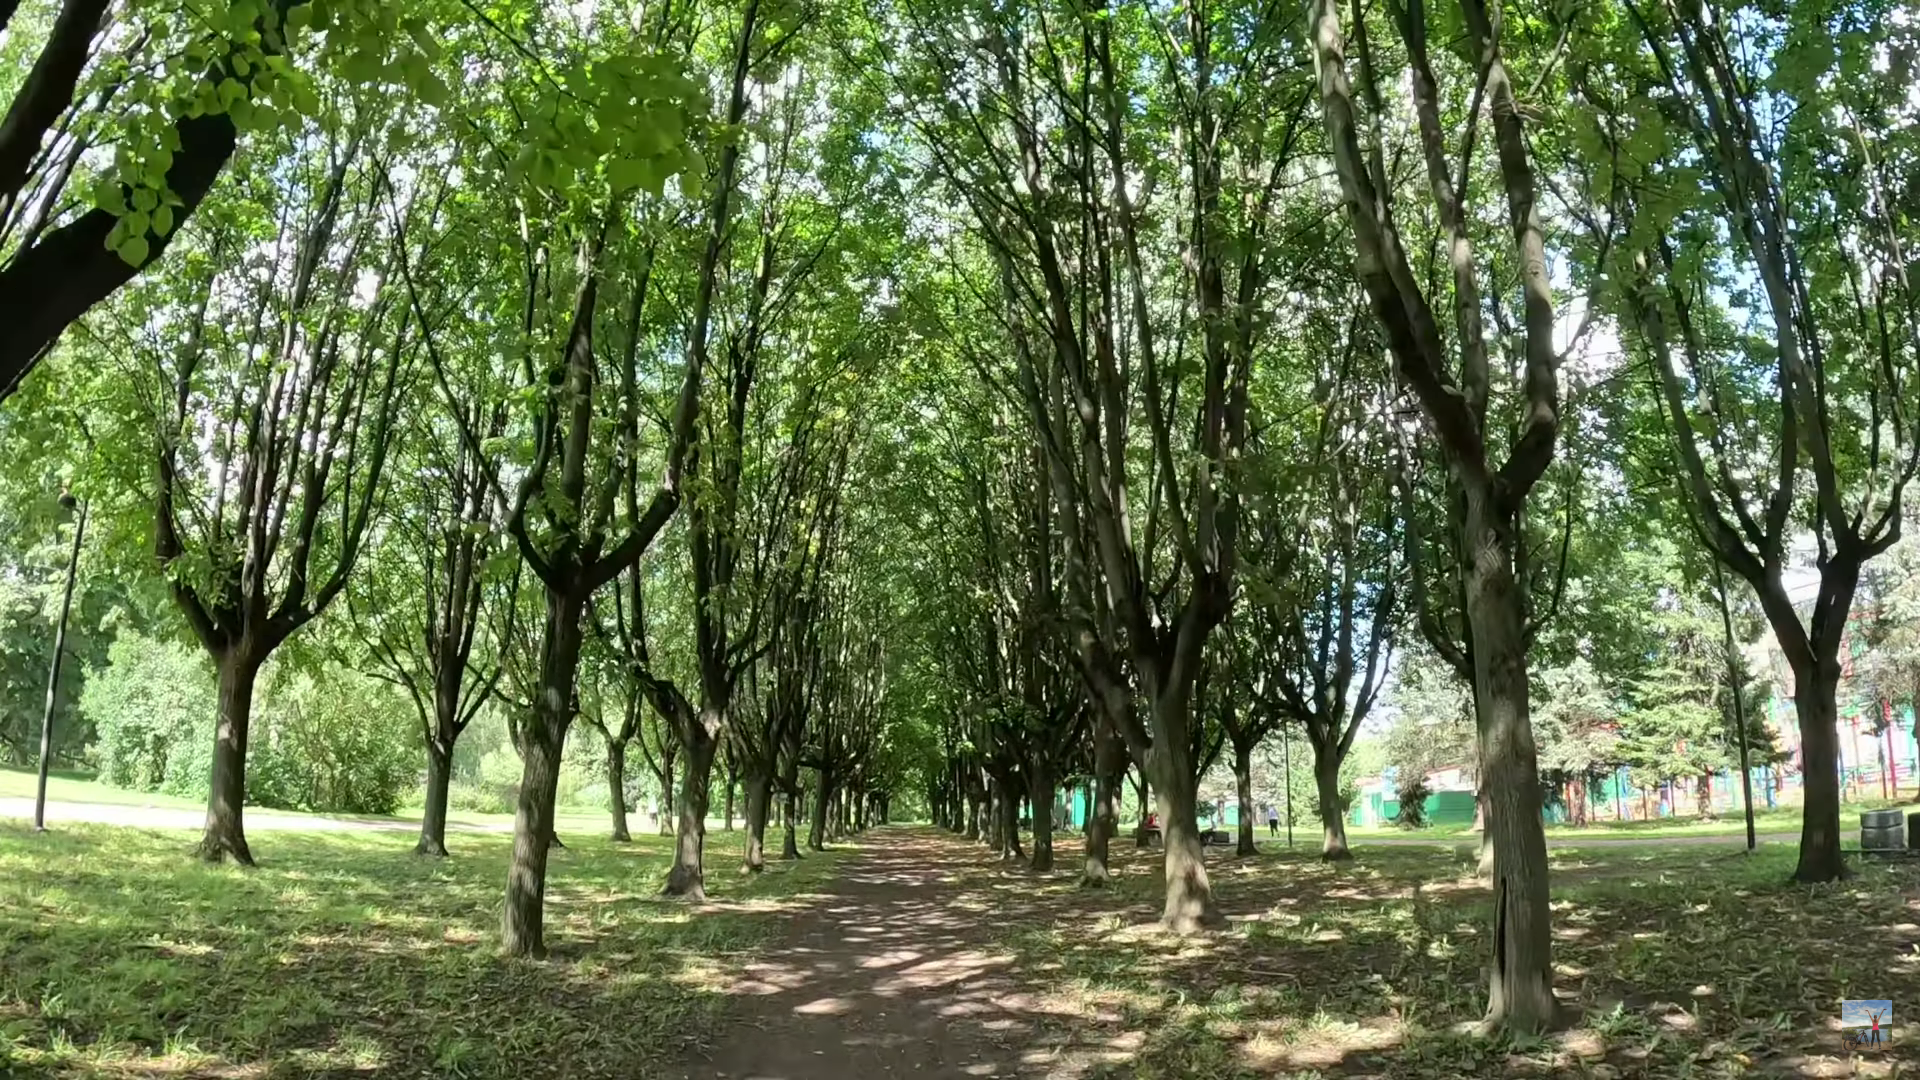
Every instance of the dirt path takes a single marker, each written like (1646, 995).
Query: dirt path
(889, 976)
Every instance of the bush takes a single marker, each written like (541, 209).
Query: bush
(331, 741)
(152, 711)
(1413, 803)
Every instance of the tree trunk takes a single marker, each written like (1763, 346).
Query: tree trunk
(1189, 905)
(1040, 787)
(789, 844)
(433, 818)
(522, 933)
(1521, 984)
(227, 789)
(1814, 697)
(1007, 832)
(1480, 825)
(688, 876)
(817, 828)
(1703, 796)
(1143, 789)
(1243, 787)
(729, 803)
(544, 738)
(759, 801)
(617, 788)
(664, 819)
(973, 818)
(1103, 819)
(1333, 823)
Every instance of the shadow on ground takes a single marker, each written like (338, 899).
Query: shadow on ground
(929, 959)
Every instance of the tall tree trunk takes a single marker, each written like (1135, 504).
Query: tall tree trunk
(1144, 790)
(1521, 983)
(664, 819)
(433, 817)
(1333, 823)
(1189, 904)
(729, 802)
(522, 933)
(789, 843)
(617, 788)
(1243, 787)
(1170, 768)
(759, 800)
(1007, 828)
(688, 876)
(227, 788)
(541, 744)
(1103, 819)
(1040, 784)
(817, 828)
(973, 817)
(1816, 686)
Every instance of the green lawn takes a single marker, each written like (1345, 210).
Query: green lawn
(342, 952)
(66, 785)
(1694, 963)
(74, 786)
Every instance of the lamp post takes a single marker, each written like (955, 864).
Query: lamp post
(68, 502)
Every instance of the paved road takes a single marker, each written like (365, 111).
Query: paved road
(164, 817)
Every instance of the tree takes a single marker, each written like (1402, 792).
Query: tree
(1779, 340)
(1323, 583)
(274, 413)
(1494, 492)
(418, 608)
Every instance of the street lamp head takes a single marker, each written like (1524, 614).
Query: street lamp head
(67, 501)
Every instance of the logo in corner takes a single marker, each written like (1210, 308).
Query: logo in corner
(1866, 1025)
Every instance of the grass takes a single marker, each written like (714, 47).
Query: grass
(343, 953)
(1671, 963)
(71, 785)
(80, 786)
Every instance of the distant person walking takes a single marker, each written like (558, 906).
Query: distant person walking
(1273, 821)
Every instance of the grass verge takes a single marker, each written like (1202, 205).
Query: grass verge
(1670, 963)
(343, 953)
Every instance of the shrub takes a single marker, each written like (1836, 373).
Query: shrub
(1413, 803)
(331, 741)
(328, 741)
(152, 711)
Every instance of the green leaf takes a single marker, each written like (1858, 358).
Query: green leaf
(108, 195)
(134, 250)
(163, 221)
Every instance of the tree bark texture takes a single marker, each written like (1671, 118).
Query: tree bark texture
(1243, 788)
(533, 821)
(433, 817)
(789, 841)
(523, 933)
(1816, 686)
(687, 878)
(1103, 820)
(1040, 783)
(759, 801)
(617, 788)
(1333, 823)
(1521, 982)
(817, 827)
(225, 834)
